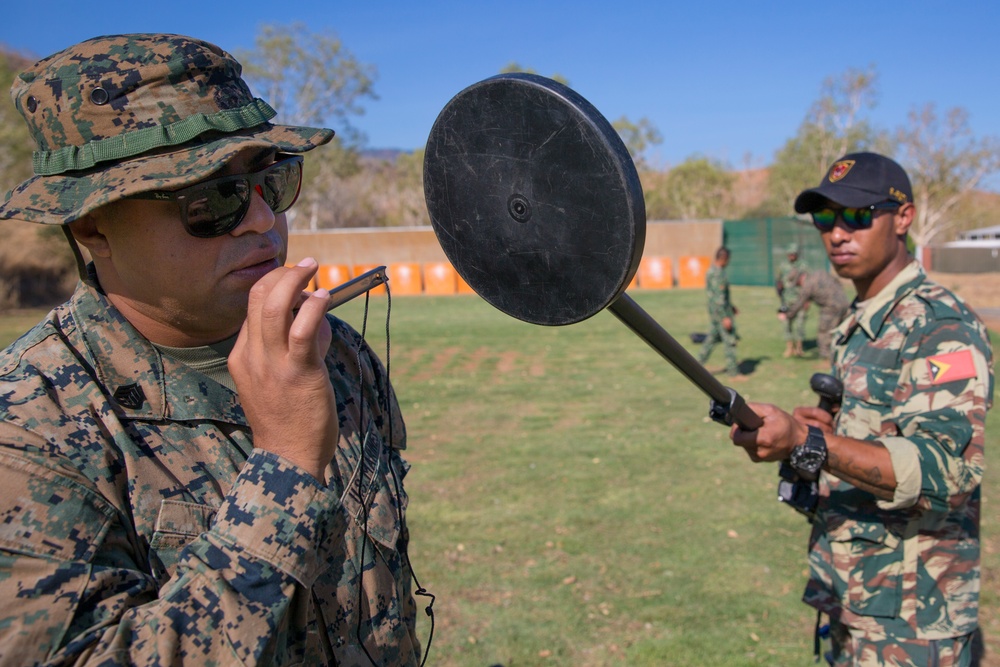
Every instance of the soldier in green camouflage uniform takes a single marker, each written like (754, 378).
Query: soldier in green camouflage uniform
(787, 285)
(825, 290)
(894, 550)
(721, 314)
(198, 464)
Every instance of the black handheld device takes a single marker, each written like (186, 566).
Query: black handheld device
(799, 493)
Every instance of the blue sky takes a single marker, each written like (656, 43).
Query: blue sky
(730, 80)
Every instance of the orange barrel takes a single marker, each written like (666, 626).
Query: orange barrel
(332, 275)
(655, 273)
(691, 271)
(462, 287)
(404, 278)
(439, 278)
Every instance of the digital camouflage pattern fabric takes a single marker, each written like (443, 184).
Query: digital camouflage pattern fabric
(123, 114)
(824, 289)
(719, 307)
(140, 526)
(916, 365)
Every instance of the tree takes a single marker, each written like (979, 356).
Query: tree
(837, 114)
(946, 162)
(637, 137)
(15, 140)
(312, 79)
(698, 188)
(309, 78)
(835, 125)
(322, 196)
(36, 266)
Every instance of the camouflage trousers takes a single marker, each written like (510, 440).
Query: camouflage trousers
(852, 648)
(795, 328)
(716, 335)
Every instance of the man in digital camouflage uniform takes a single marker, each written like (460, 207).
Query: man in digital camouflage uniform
(721, 314)
(158, 506)
(894, 550)
(825, 290)
(786, 283)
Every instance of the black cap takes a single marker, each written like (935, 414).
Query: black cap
(856, 180)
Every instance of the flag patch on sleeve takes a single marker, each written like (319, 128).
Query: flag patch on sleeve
(951, 367)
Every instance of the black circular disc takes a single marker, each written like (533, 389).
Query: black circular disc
(534, 199)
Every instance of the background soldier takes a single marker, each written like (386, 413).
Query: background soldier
(825, 290)
(786, 283)
(721, 314)
(894, 549)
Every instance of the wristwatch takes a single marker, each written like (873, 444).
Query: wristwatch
(808, 459)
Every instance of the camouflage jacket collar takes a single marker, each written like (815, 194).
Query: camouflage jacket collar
(139, 380)
(877, 308)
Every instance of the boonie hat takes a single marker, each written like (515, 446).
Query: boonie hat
(122, 114)
(858, 180)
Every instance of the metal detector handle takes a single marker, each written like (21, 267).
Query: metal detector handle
(728, 407)
(800, 493)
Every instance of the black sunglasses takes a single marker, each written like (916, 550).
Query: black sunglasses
(855, 218)
(217, 206)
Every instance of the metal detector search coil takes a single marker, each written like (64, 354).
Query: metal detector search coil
(534, 198)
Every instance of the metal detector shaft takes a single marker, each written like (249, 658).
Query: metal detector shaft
(728, 406)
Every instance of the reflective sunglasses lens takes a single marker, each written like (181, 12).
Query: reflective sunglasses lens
(218, 208)
(824, 218)
(857, 218)
(280, 185)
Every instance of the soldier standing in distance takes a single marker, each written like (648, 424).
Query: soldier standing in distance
(191, 472)
(786, 283)
(721, 314)
(825, 290)
(894, 549)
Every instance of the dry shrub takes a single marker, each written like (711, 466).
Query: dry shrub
(36, 265)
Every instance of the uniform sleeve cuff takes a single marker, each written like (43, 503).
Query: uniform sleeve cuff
(281, 514)
(906, 466)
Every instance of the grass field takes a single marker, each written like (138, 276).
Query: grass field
(571, 504)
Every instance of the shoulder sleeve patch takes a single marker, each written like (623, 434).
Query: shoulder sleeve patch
(951, 367)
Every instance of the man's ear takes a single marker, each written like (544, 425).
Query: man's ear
(903, 219)
(86, 231)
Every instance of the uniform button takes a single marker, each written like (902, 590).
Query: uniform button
(31, 103)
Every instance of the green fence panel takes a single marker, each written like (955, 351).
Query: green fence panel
(758, 247)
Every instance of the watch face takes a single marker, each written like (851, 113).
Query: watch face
(807, 460)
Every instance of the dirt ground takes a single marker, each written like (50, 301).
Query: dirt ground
(980, 290)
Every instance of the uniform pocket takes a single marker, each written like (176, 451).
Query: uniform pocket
(869, 391)
(868, 562)
(377, 500)
(177, 525)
